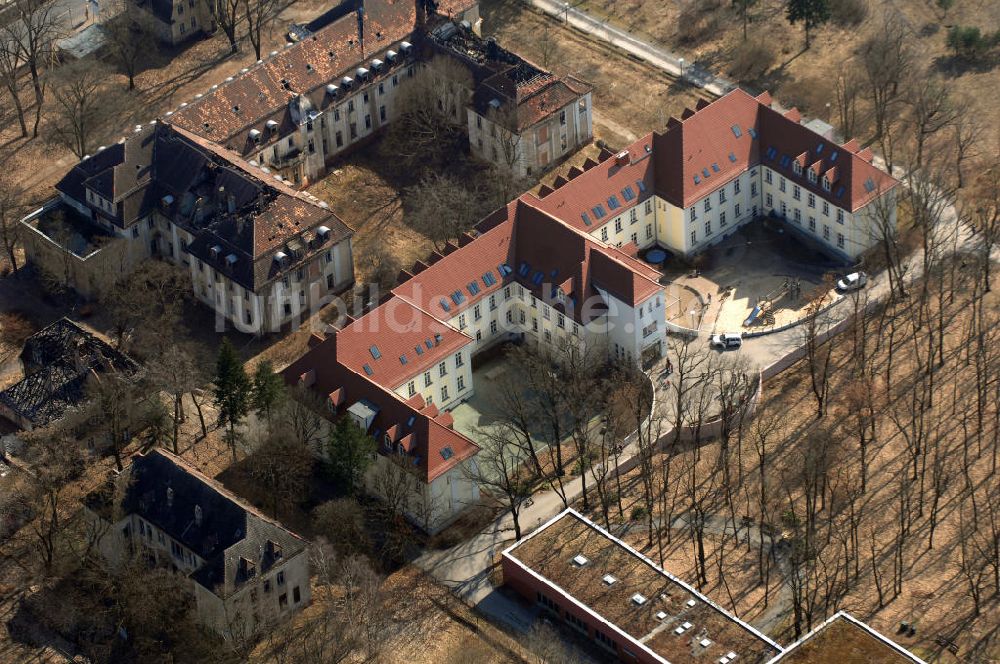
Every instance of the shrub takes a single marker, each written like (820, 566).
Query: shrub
(848, 13)
(945, 5)
(638, 513)
(970, 42)
(751, 61)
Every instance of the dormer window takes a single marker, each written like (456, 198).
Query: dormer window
(230, 261)
(826, 183)
(797, 167)
(215, 252)
(248, 568)
(812, 175)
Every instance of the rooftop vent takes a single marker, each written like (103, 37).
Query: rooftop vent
(622, 157)
(580, 560)
(691, 602)
(638, 599)
(609, 579)
(661, 615)
(704, 643)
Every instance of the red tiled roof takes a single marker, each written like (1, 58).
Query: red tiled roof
(428, 440)
(394, 330)
(712, 145)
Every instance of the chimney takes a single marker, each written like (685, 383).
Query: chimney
(197, 515)
(361, 25)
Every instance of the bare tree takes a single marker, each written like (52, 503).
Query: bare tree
(969, 132)
(887, 63)
(83, 105)
(848, 89)
(425, 201)
(33, 33)
(282, 466)
(11, 208)
(10, 75)
(819, 353)
(129, 32)
(259, 15)
(226, 14)
(933, 110)
(499, 471)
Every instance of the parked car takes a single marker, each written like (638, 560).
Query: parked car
(726, 341)
(853, 281)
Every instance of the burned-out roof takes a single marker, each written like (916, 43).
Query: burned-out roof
(58, 361)
(635, 598)
(200, 514)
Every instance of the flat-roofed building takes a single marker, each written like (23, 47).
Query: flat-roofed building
(845, 640)
(628, 605)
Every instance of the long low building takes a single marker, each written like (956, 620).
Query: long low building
(598, 585)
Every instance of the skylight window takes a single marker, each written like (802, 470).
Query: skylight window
(375, 352)
(447, 453)
(833, 155)
(641, 185)
(869, 185)
(554, 272)
(772, 152)
(628, 193)
(840, 192)
(473, 287)
(705, 172)
(697, 179)
(457, 297)
(586, 219)
(409, 422)
(537, 279)
(785, 161)
(613, 202)
(504, 269)
(598, 211)
(523, 269)
(368, 370)
(489, 279)
(428, 343)
(732, 157)
(736, 131)
(419, 350)
(753, 133)
(445, 305)
(715, 167)
(402, 359)
(819, 148)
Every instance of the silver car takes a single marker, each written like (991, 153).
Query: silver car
(726, 341)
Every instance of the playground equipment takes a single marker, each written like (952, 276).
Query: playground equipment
(763, 311)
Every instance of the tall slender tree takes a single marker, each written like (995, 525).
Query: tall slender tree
(812, 13)
(233, 391)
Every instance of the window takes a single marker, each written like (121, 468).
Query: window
(340, 139)
(444, 393)
(826, 208)
(649, 207)
(753, 188)
(281, 578)
(781, 185)
(649, 231)
(458, 360)
(633, 217)
(350, 106)
(784, 209)
(768, 201)
(561, 321)
(635, 238)
(411, 388)
(443, 369)
(546, 314)
(736, 186)
(736, 211)
(368, 121)
(604, 234)
(797, 193)
(812, 222)
(694, 237)
(797, 168)
(493, 327)
(381, 113)
(826, 231)
(840, 216)
(840, 240)
(708, 228)
(427, 379)
(812, 200)
(694, 214)
(812, 175)
(493, 302)
(722, 219)
(296, 595)
(461, 383)
(618, 225)
(562, 118)
(283, 601)
(476, 313)
(722, 196)
(708, 204)
(461, 322)
(826, 183)
(135, 231)
(768, 177)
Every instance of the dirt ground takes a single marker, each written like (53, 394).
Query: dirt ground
(630, 98)
(708, 32)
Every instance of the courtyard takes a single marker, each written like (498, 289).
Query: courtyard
(762, 276)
